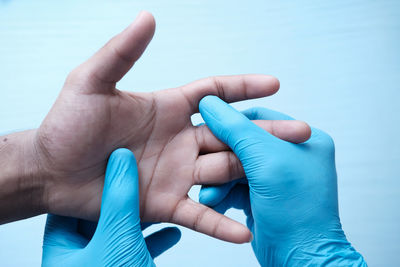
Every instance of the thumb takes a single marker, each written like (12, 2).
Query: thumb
(120, 198)
(211, 195)
(231, 126)
(119, 231)
(105, 68)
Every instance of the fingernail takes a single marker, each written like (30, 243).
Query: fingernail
(251, 238)
(211, 104)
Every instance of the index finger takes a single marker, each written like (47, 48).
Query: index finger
(229, 88)
(205, 220)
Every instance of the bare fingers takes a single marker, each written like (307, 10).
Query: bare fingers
(107, 66)
(291, 131)
(217, 168)
(229, 88)
(203, 219)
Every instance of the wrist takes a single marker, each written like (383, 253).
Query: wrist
(22, 181)
(325, 252)
(308, 249)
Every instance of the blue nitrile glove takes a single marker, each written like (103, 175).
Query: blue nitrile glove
(118, 239)
(293, 211)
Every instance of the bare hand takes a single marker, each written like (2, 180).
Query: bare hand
(91, 118)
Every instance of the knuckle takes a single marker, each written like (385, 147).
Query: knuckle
(200, 134)
(78, 76)
(214, 230)
(234, 167)
(217, 84)
(73, 75)
(198, 218)
(117, 53)
(196, 174)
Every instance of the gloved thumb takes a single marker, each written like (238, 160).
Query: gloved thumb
(229, 125)
(120, 200)
(119, 227)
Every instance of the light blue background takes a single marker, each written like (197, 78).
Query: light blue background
(339, 67)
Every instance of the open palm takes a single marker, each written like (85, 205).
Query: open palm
(91, 118)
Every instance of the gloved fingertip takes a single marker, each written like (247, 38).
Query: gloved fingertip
(212, 106)
(208, 196)
(123, 155)
(121, 185)
(208, 101)
(121, 163)
(213, 195)
(174, 234)
(159, 242)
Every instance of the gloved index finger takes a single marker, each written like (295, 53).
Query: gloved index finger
(213, 195)
(162, 240)
(282, 126)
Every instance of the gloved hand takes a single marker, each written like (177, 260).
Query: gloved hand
(293, 211)
(118, 239)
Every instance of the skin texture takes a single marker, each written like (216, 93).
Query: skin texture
(118, 238)
(91, 118)
(21, 183)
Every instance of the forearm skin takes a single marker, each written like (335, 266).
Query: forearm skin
(22, 188)
(324, 253)
(329, 253)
